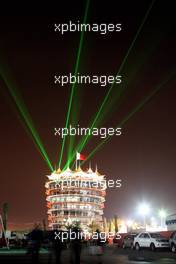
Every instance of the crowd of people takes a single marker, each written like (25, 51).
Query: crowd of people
(55, 245)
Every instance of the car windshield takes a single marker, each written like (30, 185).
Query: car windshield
(130, 236)
(155, 235)
(133, 235)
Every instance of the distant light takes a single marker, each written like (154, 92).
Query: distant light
(129, 223)
(144, 209)
(153, 221)
(162, 213)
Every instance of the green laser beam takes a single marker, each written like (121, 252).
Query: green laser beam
(120, 69)
(131, 73)
(83, 142)
(25, 115)
(73, 86)
(132, 113)
(75, 113)
(121, 94)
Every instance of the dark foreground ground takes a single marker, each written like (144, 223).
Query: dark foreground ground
(111, 255)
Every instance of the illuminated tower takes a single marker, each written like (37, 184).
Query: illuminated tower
(75, 196)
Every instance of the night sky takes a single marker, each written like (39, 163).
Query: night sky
(143, 157)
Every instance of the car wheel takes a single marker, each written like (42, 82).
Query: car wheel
(152, 247)
(137, 247)
(173, 248)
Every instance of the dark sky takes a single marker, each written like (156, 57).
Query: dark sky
(143, 157)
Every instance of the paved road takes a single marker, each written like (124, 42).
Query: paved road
(112, 255)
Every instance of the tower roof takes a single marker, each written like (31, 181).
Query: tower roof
(58, 171)
(96, 171)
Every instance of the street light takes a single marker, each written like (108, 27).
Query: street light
(162, 215)
(129, 224)
(144, 210)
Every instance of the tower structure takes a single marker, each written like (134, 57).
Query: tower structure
(75, 196)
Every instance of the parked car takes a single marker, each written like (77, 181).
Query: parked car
(172, 242)
(150, 240)
(118, 239)
(128, 241)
